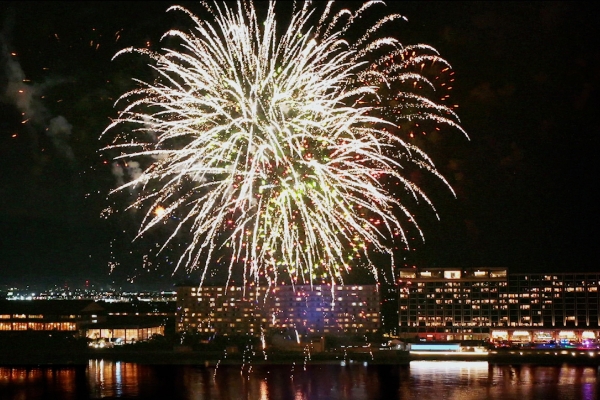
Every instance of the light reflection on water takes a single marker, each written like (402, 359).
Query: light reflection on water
(423, 380)
(113, 379)
(478, 380)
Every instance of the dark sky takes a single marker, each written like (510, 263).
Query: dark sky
(527, 79)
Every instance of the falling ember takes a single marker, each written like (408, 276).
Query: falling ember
(276, 146)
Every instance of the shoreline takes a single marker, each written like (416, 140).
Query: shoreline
(211, 359)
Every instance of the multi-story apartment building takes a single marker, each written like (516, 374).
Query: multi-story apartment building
(226, 310)
(451, 304)
(309, 310)
(343, 309)
(491, 303)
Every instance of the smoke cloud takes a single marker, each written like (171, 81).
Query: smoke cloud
(26, 97)
(59, 130)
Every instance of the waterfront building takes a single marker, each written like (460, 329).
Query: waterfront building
(490, 303)
(47, 315)
(226, 310)
(389, 309)
(304, 309)
(112, 321)
(341, 310)
(133, 321)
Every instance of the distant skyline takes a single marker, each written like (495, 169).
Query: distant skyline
(526, 81)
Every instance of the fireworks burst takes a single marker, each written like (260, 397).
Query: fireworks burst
(279, 149)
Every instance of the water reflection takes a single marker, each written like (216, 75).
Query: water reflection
(113, 379)
(423, 380)
(473, 380)
(41, 383)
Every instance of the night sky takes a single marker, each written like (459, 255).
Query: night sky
(526, 81)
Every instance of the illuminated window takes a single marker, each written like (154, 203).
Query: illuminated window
(452, 274)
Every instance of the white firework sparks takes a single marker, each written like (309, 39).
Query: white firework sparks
(278, 149)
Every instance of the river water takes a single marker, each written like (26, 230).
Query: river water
(422, 380)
